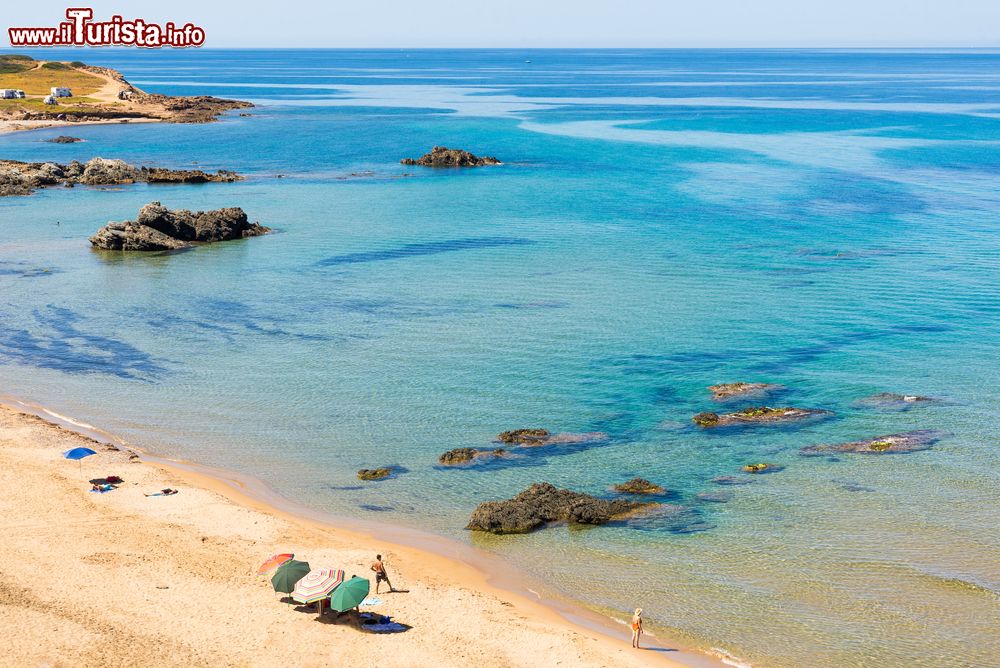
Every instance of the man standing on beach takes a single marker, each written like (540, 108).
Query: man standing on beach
(380, 573)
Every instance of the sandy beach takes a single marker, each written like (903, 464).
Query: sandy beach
(21, 126)
(124, 579)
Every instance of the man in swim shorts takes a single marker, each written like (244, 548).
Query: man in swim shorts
(380, 575)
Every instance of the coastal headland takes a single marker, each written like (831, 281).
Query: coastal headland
(99, 95)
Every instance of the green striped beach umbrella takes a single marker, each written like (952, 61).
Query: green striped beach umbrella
(288, 575)
(316, 586)
(349, 594)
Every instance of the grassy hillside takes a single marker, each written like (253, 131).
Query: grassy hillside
(38, 77)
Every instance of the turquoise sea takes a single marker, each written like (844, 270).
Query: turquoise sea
(664, 220)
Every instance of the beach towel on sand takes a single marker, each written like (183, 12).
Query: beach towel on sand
(374, 623)
(388, 627)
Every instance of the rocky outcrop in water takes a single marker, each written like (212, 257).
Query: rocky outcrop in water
(543, 503)
(757, 415)
(904, 442)
(63, 139)
(441, 156)
(460, 456)
(162, 175)
(524, 436)
(725, 391)
(374, 474)
(536, 437)
(21, 178)
(761, 467)
(157, 228)
(639, 486)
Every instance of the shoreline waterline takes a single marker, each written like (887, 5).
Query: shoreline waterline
(487, 572)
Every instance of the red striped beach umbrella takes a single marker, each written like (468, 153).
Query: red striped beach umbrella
(273, 562)
(317, 585)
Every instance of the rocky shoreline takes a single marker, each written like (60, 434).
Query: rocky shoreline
(23, 178)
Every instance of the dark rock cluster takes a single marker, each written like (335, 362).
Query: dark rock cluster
(543, 503)
(756, 415)
(374, 474)
(524, 436)
(157, 228)
(441, 156)
(467, 455)
(639, 486)
(21, 178)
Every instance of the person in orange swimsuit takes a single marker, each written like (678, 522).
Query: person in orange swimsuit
(636, 627)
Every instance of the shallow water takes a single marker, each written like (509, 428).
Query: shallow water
(664, 221)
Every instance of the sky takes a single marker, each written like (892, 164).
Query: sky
(555, 23)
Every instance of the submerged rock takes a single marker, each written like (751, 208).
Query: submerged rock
(466, 455)
(893, 400)
(639, 486)
(63, 139)
(720, 496)
(569, 438)
(730, 480)
(374, 474)
(158, 228)
(542, 503)
(907, 441)
(524, 436)
(441, 156)
(742, 390)
(757, 415)
(536, 437)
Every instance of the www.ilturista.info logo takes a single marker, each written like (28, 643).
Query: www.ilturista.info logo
(79, 30)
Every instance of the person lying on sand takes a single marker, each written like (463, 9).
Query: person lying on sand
(380, 573)
(163, 492)
(101, 488)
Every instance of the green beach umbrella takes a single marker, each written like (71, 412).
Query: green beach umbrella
(349, 594)
(288, 575)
